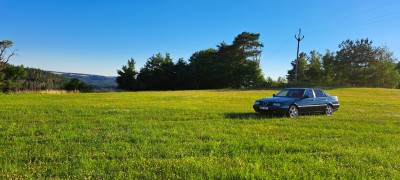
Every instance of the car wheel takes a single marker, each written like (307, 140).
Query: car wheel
(329, 110)
(293, 111)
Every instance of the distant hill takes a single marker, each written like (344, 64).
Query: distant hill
(97, 81)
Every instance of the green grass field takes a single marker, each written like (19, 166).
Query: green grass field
(196, 134)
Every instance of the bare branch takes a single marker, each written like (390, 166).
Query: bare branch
(5, 46)
(2, 52)
(10, 55)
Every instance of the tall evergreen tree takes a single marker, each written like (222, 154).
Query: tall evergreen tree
(181, 78)
(126, 78)
(328, 67)
(239, 61)
(314, 68)
(247, 47)
(157, 73)
(354, 58)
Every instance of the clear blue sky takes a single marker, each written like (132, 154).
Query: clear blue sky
(99, 36)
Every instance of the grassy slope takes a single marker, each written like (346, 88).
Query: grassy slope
(184, 134)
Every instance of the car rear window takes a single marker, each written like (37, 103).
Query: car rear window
(319, 93)
(309, 93)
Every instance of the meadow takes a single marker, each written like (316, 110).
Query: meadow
(196, 135)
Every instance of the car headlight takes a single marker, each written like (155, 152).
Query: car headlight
(256, 103)
(276, 104)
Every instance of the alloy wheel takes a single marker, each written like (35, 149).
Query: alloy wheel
(293, 111)
(329, 110)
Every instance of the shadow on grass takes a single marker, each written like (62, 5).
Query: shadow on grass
(245, 116)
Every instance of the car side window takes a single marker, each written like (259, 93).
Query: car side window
(319, 93)
(309, 93)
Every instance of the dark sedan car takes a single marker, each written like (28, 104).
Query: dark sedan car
(295, 101)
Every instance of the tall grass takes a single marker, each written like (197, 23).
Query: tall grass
(196, 134)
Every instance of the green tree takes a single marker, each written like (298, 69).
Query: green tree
(127, 77)
(358, 63)
(78, 85)
(383, 74)
(250, 75)
(14, 77)
(301, 69)
(269, 82)
(382, 70)
(328, 68)
(181, 78)
(314, 68)
(246, 51)
(281, 80)
(158, 73)
(5, 53)
(246, 46)
(398, 69)
(228, 66)
(353, 60)
(204, 69)
(224, 66)
(239, 62)
(42, 80)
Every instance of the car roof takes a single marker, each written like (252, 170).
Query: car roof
(305, 88)
(297, 88)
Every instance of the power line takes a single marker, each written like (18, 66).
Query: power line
(370, 20)
(363, 11)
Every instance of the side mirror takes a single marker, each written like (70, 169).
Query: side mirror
(273, 95)
(305, 97)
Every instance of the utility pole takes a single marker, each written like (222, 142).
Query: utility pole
(298, 38)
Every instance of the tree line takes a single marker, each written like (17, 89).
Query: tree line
(356, 64)
(233, 65)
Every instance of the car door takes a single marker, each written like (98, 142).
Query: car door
(307, 105)
(320, 100)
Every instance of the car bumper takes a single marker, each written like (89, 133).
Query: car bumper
(335, 107)
(270, 109)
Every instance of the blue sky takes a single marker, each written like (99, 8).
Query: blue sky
(99, 36)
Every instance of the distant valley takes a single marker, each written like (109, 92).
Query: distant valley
(97, 81)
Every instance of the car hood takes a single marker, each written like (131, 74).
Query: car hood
(276, 99)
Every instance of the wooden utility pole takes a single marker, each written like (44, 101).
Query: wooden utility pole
(298, 38)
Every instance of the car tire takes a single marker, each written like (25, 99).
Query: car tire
(329, 110)
(293, 111)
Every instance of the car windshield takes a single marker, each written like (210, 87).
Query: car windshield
(293, 93)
